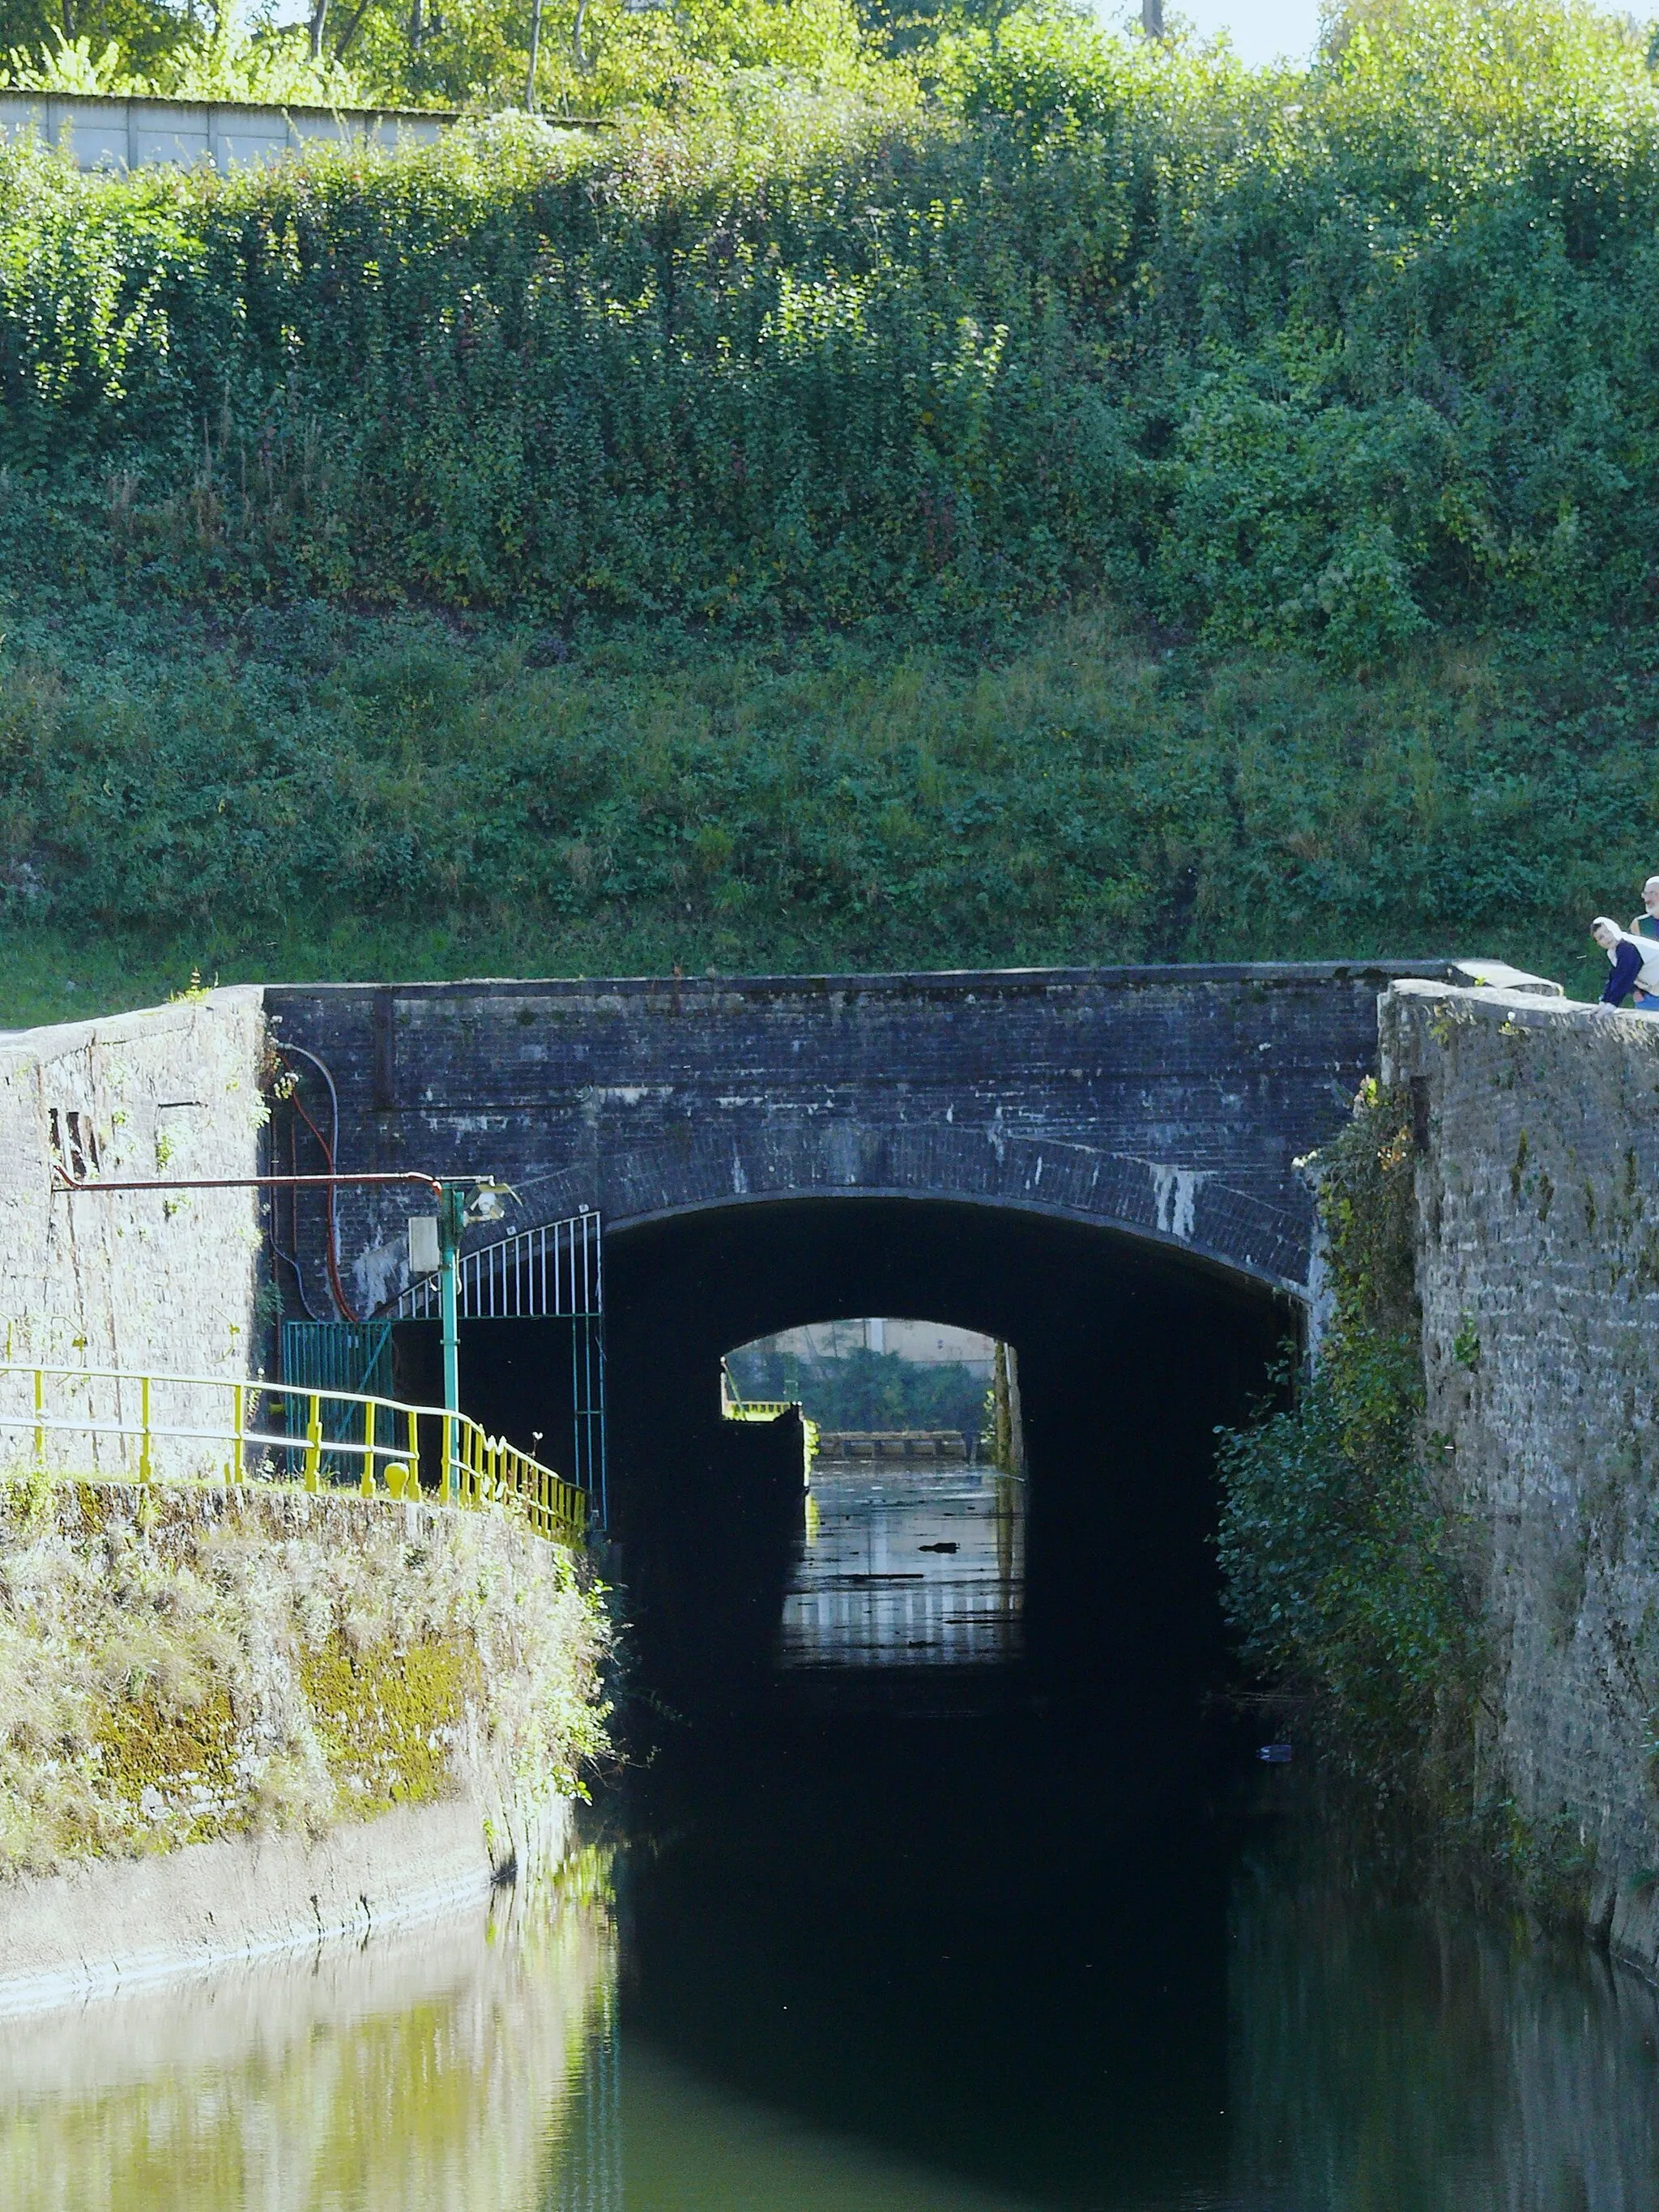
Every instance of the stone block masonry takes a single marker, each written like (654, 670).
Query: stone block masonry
(155, 1280)
(1537, 1128)
(1168, 1104)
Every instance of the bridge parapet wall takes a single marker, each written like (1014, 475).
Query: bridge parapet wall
(1170, 1103)
(1537, 1128)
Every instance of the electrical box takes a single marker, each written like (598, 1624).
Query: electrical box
(423, 1256)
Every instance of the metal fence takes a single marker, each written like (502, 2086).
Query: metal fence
(346, 1359)
(108, 1425)
(552, 1273)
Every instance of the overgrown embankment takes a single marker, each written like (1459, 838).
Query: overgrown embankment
(183, 1666)
(692, 546)
(1346, 1570)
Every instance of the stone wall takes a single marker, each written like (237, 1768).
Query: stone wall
(156, 1280)
(1537, 1129)
(1169, 1102)
(206, 1694)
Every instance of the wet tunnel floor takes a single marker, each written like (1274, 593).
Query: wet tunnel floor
(900, 1567)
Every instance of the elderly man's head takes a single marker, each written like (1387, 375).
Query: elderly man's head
(1607, 933)
(1650, 896)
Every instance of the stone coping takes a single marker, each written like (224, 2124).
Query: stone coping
(109, 1925)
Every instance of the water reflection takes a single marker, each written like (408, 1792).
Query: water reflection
(1419, 2061)
(1375, 2061)
(908, 1567)
(428, 2071)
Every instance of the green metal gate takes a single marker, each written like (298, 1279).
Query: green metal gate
(335, 1355)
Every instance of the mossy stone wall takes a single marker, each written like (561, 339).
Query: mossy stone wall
(178, 1665)
(1536, 1127)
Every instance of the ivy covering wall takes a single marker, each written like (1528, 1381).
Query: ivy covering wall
(1345, 1571)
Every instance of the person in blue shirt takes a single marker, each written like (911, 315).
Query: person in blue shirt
(1634, 982)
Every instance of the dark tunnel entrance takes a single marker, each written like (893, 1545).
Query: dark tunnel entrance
(1129, 1356)
(991, 1932)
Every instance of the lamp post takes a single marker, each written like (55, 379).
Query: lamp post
(475, 1198)
(452, 1220)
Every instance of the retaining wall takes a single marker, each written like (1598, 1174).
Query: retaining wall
(1537, 1131)
(153, 1279)
(231, 1721)
(104, 130)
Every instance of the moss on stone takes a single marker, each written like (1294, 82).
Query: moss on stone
(161, 1756)
(388, 1719)
(177, 1664)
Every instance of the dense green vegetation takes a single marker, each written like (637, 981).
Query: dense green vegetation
(1342, 1557)
(866, 1389)
(1352, 1568)
(1053, 499)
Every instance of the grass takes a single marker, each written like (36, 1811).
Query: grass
(309, 793)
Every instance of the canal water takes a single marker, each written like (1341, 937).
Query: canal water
(944, 1953)
(909, 1566)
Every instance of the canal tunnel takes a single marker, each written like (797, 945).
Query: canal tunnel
(1130, 1354)
(876, 1878)
(904, 1905)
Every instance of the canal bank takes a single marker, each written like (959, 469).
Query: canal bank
(1025, 1937)
(864, 1967)
(245, 1718)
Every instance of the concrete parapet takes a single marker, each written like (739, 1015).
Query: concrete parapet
(115, 1924)
(150, 1281)
(105, 130)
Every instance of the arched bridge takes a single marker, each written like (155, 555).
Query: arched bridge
(1168, 1104)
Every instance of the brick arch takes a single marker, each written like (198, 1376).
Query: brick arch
(1200, 1213)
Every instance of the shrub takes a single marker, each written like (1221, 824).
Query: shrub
(1340, 1555)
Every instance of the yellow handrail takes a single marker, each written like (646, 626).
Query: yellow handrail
(476, 1470)
(759, 1409)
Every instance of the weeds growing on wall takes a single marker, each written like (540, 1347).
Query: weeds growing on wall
(175, 1669)
(1342, 1558)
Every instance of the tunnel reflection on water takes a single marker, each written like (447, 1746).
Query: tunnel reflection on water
(909, 1567)
(970, 2039)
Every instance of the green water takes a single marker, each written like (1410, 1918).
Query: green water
(999, 1939)
(1308, 2052)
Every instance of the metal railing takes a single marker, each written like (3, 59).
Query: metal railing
(736, 1409)
(164, 1428)
(553, 1272)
